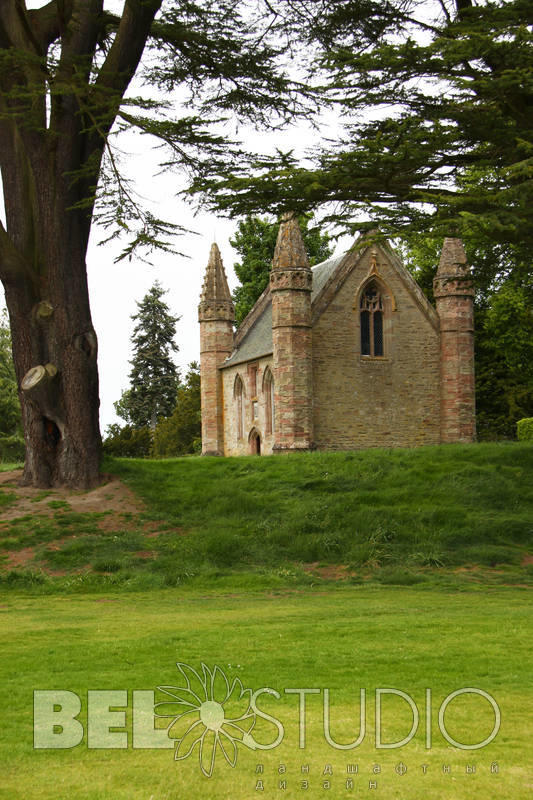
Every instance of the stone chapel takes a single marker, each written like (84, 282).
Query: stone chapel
(346, 355)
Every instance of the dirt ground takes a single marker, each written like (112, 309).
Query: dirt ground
(112, 496)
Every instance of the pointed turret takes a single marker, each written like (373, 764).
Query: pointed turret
(290, 285)
(215, 299)
(216, 314)
(453, 259)
(290, 248)
(454, 299)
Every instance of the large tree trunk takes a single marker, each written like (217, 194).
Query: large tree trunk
(45, 280)
(51, 328)
(54, 123)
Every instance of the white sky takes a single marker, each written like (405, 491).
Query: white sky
(115, 288)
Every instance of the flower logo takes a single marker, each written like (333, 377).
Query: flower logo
(208, 712)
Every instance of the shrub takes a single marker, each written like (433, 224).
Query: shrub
(127, 442)
(524, 429)
(181, 433)
(12, 448)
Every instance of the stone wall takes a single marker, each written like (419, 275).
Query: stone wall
(360, 401)
(233, 445)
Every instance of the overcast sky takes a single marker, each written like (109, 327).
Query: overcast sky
(115, 287)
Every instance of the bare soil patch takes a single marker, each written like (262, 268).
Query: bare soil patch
(329, 572)
(113, 499)
(20, 558)
(113, 496)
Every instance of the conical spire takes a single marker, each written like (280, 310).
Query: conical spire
(453, 258)
(215, 286)
(215, 299)
(453, 274)
(290, 249)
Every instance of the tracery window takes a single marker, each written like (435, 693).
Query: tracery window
(371, 316)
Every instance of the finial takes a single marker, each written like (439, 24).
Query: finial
(453, 257)
(290, 249)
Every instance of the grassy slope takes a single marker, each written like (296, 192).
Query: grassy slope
(398, 516)
(435, 506)
(249, 522)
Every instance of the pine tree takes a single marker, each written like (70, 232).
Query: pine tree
(255, 241)
(154, 377)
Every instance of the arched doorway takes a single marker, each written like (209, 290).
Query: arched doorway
(255, 442)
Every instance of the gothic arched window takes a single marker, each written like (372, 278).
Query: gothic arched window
(268, 389)
(371, 315)
(238, 391)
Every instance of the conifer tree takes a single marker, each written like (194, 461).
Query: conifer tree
(154, 377)
(430, 92)
(65, 71)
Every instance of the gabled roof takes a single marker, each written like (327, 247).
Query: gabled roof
(253, 340)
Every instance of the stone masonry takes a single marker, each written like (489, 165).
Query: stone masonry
(387, 401)
(290, 289)
(216, 315)
(454, 293)
(295, 375)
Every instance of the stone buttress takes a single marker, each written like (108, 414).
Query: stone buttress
(454, 300)
(290, 286)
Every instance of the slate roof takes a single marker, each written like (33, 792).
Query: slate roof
(257, 341)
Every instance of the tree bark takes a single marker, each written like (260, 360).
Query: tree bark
(60, 412)
(50, 165)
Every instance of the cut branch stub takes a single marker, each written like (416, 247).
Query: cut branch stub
(34, 378)
(39, 384)
(51, 370)
(44, 310)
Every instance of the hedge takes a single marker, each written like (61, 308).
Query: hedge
(524, 429)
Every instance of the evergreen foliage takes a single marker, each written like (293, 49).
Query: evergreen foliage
(432, 92)
(180, 434)
(503, 325)
(255, 241)
(524, 430)
(127, 442)
(154, 377)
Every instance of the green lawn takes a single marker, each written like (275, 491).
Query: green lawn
(342, 638)
(402, 569)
